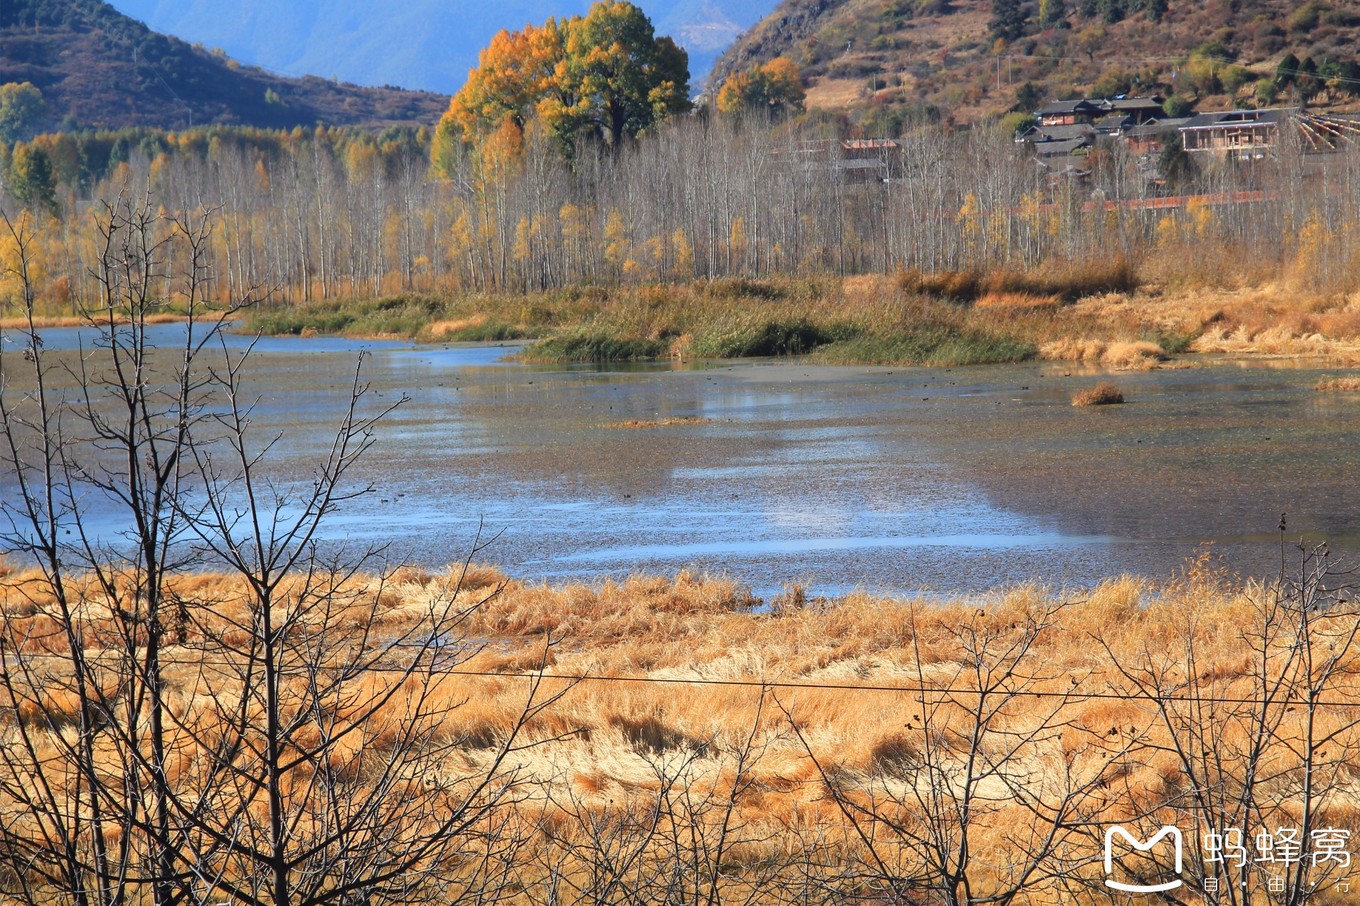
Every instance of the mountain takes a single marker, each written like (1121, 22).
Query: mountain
(98, 68)
(429, 44)
(945, 57)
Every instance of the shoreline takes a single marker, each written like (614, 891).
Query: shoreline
(862, 320)
(855, 321)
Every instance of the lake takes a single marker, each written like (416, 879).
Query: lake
(896, 480)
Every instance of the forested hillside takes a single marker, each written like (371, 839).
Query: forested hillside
(967, 59)
(97, 68)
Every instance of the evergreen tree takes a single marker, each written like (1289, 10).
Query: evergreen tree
(31, 180)
(1349, 80)
(1286, 72)
(1026, 98)
(1008, 20)
(1307, 81)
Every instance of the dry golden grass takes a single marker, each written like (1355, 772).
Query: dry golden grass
(21, 323)
(1278, 320)
(1120, 355)
(440, 329)
(1003, 302)
(1138, 355)
(665, 422)
(834, 94)
(1349, 384)
(681, 675)
(1102, 394)
(1073, 349)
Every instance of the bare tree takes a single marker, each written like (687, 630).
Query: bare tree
(104, 433)
(1259, 752)
(991, 792)
(272, 735)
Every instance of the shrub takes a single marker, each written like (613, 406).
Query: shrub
(1102, 394)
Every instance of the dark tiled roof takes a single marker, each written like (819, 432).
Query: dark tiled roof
(1224, 118)
(1114, 122)
(1060, 133)
(1148, 103)
(1057, 149)
(1100, 105)
(1157, 127)
(1076, 105)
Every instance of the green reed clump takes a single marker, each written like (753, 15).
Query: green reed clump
(399, 316)
(582, 346)
(928, 343)
(294, 321)
(768, 338)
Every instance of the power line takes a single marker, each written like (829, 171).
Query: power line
(918, 689)
(1073, 694)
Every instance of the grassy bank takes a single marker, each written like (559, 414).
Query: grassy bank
(1098, 317)
(19, 322)
(811, 751)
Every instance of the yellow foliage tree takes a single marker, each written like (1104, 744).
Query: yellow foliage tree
(615, 240)
(605, 72)
(775, 87)
(515, 72)
(684, 254)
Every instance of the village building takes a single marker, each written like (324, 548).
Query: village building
(1069, 113)
(1151, 137)
(1095, 111)
(1239, 134)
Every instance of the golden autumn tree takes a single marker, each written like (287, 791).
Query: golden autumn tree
(605, 73)
(515, 73)
(776, 87)
(617, 77)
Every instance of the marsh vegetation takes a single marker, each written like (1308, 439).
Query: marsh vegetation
(723, 238)
(690, 744)
(213, 702)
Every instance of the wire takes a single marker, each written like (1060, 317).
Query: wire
(1073, 693)
(919, 689)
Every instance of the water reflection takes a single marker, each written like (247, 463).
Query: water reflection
(892, 479)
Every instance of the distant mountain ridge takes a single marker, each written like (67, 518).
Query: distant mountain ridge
(428, 44)
(98, 68)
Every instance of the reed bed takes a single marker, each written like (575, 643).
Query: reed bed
(688, 695)
(1102, 318)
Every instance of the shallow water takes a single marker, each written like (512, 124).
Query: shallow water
(893, 479)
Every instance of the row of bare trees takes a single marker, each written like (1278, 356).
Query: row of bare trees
(276, 735)
(264, 745)
(706, 198)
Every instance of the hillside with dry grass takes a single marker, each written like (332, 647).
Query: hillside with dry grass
(884, 59)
